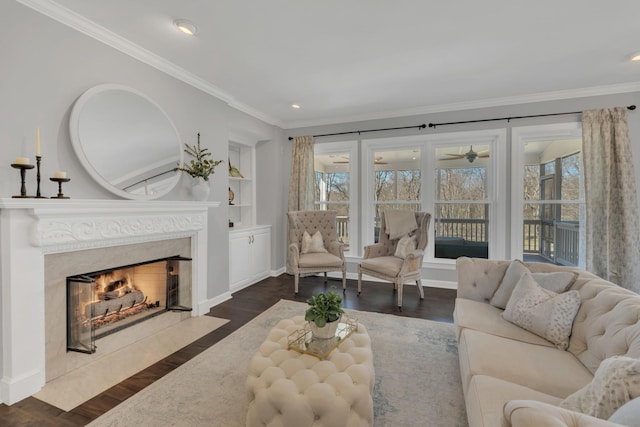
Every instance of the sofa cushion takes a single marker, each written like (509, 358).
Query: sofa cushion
(531, 413)
(543, 312)
(545, 369)
(557, 281)
(487, 396)
(616, 381)
(487, 318)
(478, 279)
(607, 324)
(628, 414)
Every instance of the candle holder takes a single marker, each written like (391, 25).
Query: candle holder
(60, 181)
(23, 171)
(38, 195)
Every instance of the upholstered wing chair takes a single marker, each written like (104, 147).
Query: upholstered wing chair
(380, 259)
(328, 258)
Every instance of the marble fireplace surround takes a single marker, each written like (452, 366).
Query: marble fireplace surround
(31, 230)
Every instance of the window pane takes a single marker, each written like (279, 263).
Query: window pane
(570, 188)
(532, 182)
(384, 185)
(461, 230)
(551, 229)
(467, 183)
(337, 186)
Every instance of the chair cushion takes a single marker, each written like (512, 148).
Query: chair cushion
(319, 259)
(387, 265)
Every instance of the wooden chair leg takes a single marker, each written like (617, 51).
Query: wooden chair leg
(325, 277)
(296, 280)
(420, 288)
(399, 285)
(344, 280)
(359, 280)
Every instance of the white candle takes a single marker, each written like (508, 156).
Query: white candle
(22, 161)
(38, 142)
(59, 174)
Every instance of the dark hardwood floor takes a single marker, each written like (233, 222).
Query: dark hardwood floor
(244, 306)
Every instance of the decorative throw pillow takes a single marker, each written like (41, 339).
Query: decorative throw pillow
(313, 243)
(557, 281)
(616, 381)
(406, 244)
(543, 312)
(628, 414)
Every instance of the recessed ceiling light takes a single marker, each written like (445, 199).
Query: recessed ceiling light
(296, 106)
(186, 26)
(635, 57)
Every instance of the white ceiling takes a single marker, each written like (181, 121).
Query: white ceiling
(363, 59)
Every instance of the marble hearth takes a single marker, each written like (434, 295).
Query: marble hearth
(44, 241)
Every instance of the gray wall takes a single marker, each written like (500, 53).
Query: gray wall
(570, 105)
(45, 66)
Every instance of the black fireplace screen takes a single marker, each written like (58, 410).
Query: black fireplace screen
(103, 302)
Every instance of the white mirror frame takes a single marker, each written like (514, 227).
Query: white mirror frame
(74, 130)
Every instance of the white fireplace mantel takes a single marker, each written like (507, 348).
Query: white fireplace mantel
(32, 228)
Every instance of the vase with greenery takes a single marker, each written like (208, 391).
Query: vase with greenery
(323, 314)
(201, 167)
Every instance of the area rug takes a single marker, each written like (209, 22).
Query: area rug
(415, 360)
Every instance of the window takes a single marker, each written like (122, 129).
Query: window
(397, 181)
(548, 201)
(335, 184)
(461, 214)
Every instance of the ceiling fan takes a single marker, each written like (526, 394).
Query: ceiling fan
(377, 161)
(469, 155)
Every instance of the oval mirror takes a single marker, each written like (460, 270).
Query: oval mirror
(126, 142)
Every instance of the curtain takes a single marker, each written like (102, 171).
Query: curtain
(612, 231)
(301, 186)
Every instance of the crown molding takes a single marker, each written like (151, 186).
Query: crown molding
(90, 28)
(470, 105)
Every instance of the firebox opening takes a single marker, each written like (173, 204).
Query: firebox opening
(103, 302)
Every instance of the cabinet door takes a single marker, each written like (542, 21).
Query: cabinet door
(260, 254)
(238, 258)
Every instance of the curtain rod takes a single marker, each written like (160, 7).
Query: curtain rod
(422, 126)
(433, 125)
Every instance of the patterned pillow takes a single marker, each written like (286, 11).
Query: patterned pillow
(406, 244)
(557, 281)
(543, 312)
(616, 381)
(313, 243)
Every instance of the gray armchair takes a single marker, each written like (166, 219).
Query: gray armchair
(379, 259)
(315, 262)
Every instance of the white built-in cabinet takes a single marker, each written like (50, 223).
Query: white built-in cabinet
(249, 256)
(249, 242)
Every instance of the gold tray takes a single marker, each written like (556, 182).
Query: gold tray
(302, 340)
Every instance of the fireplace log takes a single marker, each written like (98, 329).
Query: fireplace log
(114, 305)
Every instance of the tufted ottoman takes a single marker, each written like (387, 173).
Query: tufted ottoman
(291, 389)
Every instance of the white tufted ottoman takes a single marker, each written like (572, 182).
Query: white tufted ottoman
(291, 389)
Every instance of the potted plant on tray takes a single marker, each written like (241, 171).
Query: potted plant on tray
(200, 168)
(323, 314)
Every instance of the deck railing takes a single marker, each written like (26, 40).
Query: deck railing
(564, 243)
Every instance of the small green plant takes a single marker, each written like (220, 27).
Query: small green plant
(324, 308)
(201, 166)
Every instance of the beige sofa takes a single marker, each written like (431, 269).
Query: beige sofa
(512, 377)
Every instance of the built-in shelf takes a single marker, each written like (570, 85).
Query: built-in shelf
(243, 211)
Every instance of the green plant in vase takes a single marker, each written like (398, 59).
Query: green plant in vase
(201, 166)
(323, 314)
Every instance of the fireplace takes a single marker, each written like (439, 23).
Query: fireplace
(45, 241)
(103, 302)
